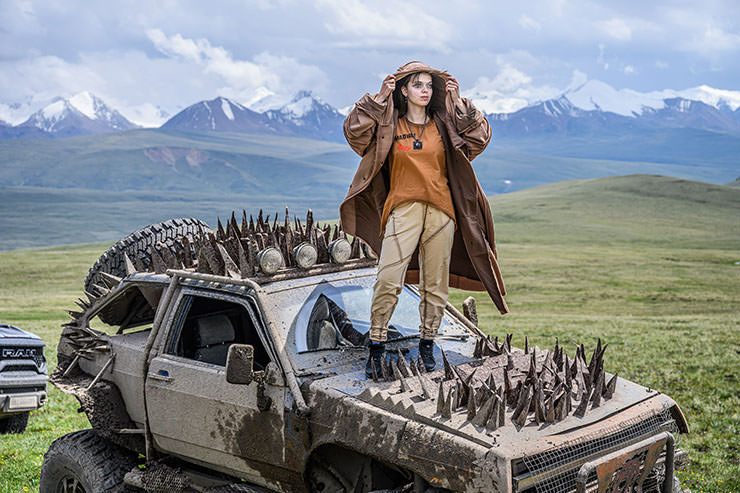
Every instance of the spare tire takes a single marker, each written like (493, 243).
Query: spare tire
(138, 245)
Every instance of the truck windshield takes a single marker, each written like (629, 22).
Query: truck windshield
(330, 315)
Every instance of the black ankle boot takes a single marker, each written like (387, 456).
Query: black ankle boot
(377, 352)
(426, 351)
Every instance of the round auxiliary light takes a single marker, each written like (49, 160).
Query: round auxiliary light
(340, 250)
(270, 260)
(305, 255)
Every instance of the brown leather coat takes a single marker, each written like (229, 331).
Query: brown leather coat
(369, 129)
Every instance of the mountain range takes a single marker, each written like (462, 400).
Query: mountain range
(591, 108)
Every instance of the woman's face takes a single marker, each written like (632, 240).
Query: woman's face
(419, 89)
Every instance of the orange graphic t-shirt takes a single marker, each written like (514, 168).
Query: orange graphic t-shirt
(418, 174)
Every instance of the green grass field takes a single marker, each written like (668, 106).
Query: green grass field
(649, 264)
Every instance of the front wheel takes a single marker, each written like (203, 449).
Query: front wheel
(82, 462)
(14, 424)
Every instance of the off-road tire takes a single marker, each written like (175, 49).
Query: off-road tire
(14, 424)
(138, 245)
(97, 465)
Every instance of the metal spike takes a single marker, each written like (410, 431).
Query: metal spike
(130, 269)
(100, 290)
(374, 370)
(610, 387)
(526, 345)
(220, 233)
(92, 297)
(561, 410)
(449, 403)
(425, 390)
(471, 405)
(397, 375)
(245, 224)
(440, 397)
(449, 374)
(387, 371)
(508, 342)
(84, 305)
(520, 414)
(568, 377)
(539, 410)
(581, 409)
(110, 280)
(484, 411)
(501, 407)
(598, 389)
(492, 422)
(412, 366)
(230, 267)
(74, 314)
(245, 267)
(401, 363)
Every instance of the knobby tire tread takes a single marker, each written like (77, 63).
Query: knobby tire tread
(138, 244)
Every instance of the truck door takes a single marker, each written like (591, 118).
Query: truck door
(193, 412)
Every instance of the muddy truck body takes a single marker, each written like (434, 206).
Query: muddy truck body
(227, 374)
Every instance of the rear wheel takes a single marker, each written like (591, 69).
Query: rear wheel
(14, 424)
(138, 245)
(82, 462)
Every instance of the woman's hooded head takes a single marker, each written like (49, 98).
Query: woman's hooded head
(407, 73)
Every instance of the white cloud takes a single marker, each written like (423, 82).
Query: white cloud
(510, 90)
(267, 73)
(600, 59)
(398, 23)
(616, 28)
(629, 69)
(528, 23)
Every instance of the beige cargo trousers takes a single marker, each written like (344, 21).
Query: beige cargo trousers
(411, 224)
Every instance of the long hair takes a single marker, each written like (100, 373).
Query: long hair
(436, 103)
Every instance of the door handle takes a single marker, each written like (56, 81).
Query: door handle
(161, 375)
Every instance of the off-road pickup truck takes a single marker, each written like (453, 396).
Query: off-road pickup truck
(234, 361)
(22, 377)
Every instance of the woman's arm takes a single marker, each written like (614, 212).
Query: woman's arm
(361, 122)
(469, 122)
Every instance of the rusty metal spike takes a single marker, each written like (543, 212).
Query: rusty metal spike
(549, 363)
(484, 411)
(230, 267)
(109, 280)
(245, 268)
(355, 248)
(492, 422)
(449, 374)
(401, 363)
(220, 233)
(75, 315)
(425, 390)
(501, 407)
(188, 260)
(581, 409)
(478, 349)
(568, 376)
(598, 389)
(100, 290)
(84, 305)
(412, 366)
(449, 403)
(469, 310)
(387, 370)
(169, 260)
(532, 373)
(252, 227)
(374, 370)
(526, 345)
(245, 224)
(508, 342)
(420, 365)
(260, 222)
(610, 387)
(309, 220)
(440, 397)
(520, 413)
(322, 249)
(507, 383)
(157, 262)
(140, 267)
(130, 269)
(539, 410)
(471, 405)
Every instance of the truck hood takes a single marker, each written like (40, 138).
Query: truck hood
(10, 332)
(430, 399)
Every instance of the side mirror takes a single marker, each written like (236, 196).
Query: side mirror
(240, 365)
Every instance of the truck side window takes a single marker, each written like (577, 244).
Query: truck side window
(210, 326)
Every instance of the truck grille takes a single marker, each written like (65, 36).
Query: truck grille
(22, 390)
(32, 368)
(551, 468)
(35, 354)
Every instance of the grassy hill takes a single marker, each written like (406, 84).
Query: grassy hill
(648, 263)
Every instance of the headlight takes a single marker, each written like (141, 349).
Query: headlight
(270, 260)
(305, 255)
(340, 250)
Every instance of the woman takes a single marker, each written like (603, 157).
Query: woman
(416, 201)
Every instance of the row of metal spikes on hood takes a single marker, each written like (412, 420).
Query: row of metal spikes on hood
(233, 250)
(548, 394)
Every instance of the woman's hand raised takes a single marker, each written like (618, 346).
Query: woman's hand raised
(387, 88)
(453, 88)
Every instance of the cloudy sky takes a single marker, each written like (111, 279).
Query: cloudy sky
(139, 55)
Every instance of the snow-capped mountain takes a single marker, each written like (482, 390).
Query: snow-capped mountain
(307, 116)
(303, 116)
(82, 114)
(594, 105)
(219, 115)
